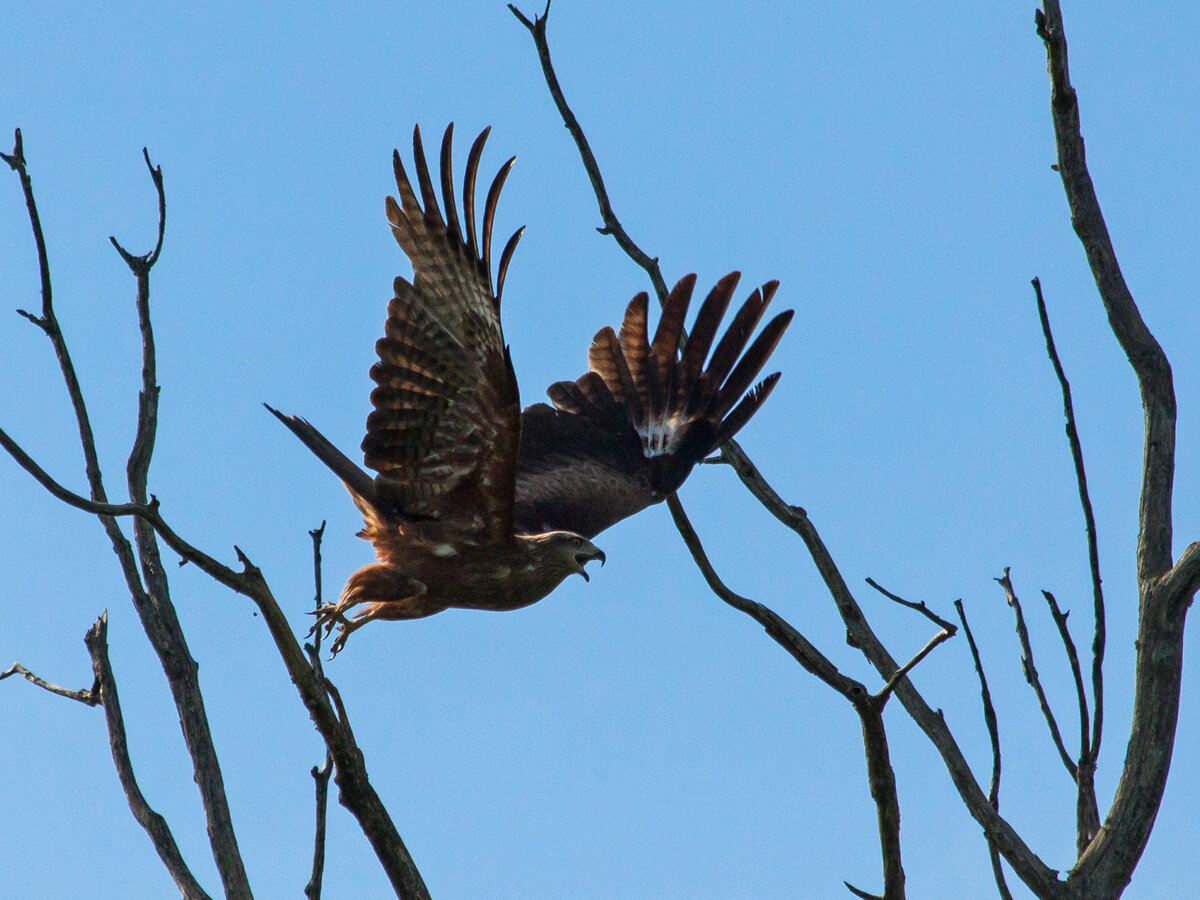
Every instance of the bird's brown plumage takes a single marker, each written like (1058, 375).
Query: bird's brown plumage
(477, 504)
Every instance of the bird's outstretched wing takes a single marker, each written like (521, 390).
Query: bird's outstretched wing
(627, 433)
(444, 430)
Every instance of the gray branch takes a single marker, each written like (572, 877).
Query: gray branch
(1031, 674)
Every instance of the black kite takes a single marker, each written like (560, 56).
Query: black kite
(478, 504)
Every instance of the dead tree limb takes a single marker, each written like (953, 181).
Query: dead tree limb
(612, 225)
(322, 773)
(154, 824)
(1020, 856)
(149, 590)
(152, 600)
(1089, 520)
(1029, 669)
(86, 696)
(1164, 590)
(881, 778)
(993, 729)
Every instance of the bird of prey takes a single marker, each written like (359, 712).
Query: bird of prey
(476, 503)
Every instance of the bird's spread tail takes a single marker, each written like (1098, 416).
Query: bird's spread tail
(682, 405)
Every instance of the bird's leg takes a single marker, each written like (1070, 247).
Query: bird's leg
(357, 591)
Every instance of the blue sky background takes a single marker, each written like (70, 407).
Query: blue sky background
(889, 163)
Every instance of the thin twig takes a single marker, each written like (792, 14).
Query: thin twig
(1060, 621)
(880, 775)
(154, 824)
(1031, 673)
(944, 635)
(612, 225)
(1087, 812)
(87, 696)
(1098, 640)
(322, 773)
(920, 607)
(800, 648)
(1031, 869)
(993, 729)
(861, 894)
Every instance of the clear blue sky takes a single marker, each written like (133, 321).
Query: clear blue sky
(631, 737)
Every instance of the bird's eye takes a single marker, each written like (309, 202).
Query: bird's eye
(578, 543)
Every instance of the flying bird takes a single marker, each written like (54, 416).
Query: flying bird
(476, 503)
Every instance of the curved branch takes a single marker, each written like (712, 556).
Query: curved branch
(881, 778)
(1088, 759)
(1031, 675)
(993, 730)
(154, 824)
(1107, 865)
(1143, 351)
(612, 225)
(1028, 866)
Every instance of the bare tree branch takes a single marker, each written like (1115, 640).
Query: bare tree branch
(154, 824)
(1028, 866)
(881, 777)
(1107, 865)
(858, 892)
(1031, 674)
(151, 599)
(1087, 812)
(87, 696)
(158, 614)
(800, 648)
(1183, 580)
(1024, 861)
(322, 773)
(1088, 759)
(920, 607)
(943, 635)
(612, 225)
(1144, 353)
(356, 793)
(993, 728)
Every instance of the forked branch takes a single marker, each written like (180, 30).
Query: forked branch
(1106, 866)
(152, 600)
(1024, 861)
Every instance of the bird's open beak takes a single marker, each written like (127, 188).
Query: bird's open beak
(587, 555)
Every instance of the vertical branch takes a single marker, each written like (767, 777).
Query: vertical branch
(1087, 813)
(1142, 349)
(1087, 760)
(48, 321)
(881, 779)
(993, 729)
(155, 825)
(320, 774)
(158, 612)
(150, 600)
(1106, 866)
(1031, 675)
(612, 225)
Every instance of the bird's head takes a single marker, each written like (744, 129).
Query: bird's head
(574, 550)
